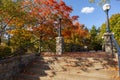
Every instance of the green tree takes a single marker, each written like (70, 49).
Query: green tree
(114, 27)
(93, 31)
(95, 42)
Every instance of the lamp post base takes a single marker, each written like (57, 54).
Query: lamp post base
(108, 43)
(59, 45)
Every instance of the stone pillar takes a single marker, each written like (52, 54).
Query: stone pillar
(59, 45)
(108, 43)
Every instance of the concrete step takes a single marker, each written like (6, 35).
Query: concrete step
(82, 77)
(49, 68)
(74, 77)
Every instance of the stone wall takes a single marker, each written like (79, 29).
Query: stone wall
(12, 66)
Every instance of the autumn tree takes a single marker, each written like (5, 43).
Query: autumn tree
(46, 12)
(11, 15)
(74, 36)
(15, 22)
(36, 18)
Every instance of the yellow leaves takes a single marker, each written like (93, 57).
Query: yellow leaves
(115, 73)
(116, 77)
(13, 32)
(114, 68)
(19, 31)
(21, 34)
(17, 22)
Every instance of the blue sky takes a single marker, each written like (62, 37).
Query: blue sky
(90, 13)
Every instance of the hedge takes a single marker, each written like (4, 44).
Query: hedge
(5, 51)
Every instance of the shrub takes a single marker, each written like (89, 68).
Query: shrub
(5, 51)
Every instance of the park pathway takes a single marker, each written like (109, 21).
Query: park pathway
(68, 68)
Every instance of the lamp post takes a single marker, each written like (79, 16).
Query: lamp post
(106, 8)
(59, 39)
(59, 30)
(108, 34)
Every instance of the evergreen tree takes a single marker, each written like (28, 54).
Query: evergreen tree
(95, 42)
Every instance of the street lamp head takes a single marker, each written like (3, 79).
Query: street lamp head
(59, 17)
(106, 7)
(55, 22)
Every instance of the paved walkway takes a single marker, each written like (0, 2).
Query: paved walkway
(68, 68)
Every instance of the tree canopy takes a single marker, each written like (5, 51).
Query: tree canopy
(34, 21)
(114, 26)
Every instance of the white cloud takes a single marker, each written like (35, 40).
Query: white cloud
(87, 10)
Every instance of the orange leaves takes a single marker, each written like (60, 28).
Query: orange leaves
(26, 2)
(44, 31)
(76, 31)
(56, 7)
(62, 3)
(64, 6)
(63, 9)
(51, 2)
(45, 12)
(80, 29)
(75, 17)
(36, 1)
(40, 28)
(46, 8)
(66, 34)
(47, 3)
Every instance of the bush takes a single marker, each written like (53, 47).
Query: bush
(5, 51)
(19, 51)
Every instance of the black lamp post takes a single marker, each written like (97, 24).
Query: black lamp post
(59, 29)
(106, 8)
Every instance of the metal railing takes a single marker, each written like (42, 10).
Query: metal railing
(118, 51)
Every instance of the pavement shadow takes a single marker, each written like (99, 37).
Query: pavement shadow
(86, 63)
(110, 62)
(34, 70)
